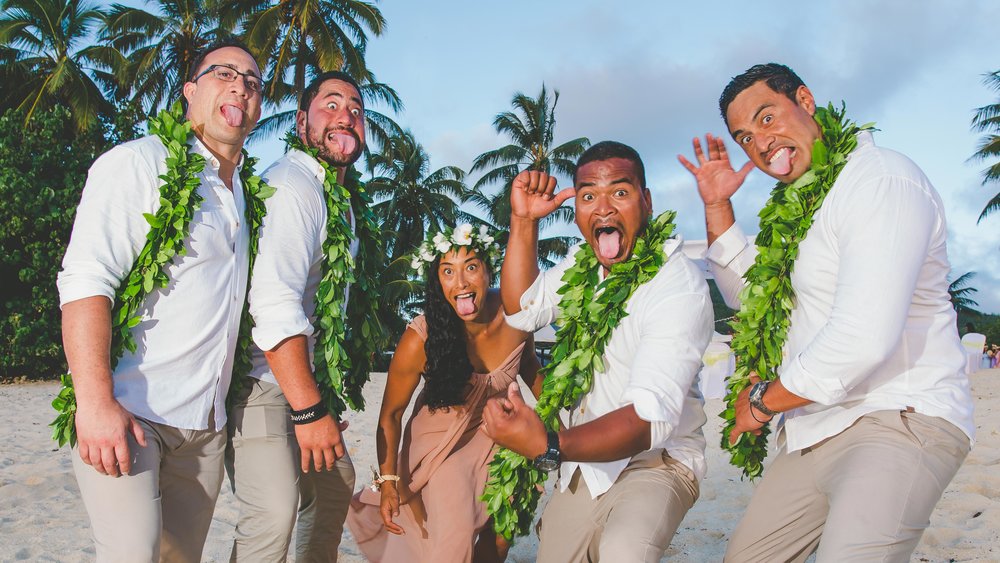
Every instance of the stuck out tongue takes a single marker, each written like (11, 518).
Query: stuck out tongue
(609, 244)
(233, 115)
(465, 305)
(347, 142)
(782, 164)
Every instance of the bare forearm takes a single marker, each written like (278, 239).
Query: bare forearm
(779, 399)
(387, 443)
(617, 435)
(718, 218)
(86, 330)
(289, 361)
(520, 263)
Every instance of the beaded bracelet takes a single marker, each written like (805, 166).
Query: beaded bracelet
(311, 414)
(379, 478)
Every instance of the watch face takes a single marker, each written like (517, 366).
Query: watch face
(546, 464)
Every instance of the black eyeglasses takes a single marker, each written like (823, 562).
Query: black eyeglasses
(229, 74)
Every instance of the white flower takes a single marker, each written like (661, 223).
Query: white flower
(439, 238)
(442, 247)
(416, 263)
(426, 254)
(462, 235)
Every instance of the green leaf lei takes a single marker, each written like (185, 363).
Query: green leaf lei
(346, 345)
(589, 311)
(169, 228)
(761, 326)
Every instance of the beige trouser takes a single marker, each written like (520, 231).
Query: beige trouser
(633, 521)
(263, 463)
(162, 509)
(865, 494)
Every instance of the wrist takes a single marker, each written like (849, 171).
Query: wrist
(309, 414)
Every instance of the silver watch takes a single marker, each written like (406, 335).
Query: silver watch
(757, 397)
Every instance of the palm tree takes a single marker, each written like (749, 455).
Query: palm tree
(298, 39)
(41, 42)
(411, 201)
(157, 49)
(961, 294)
(987, 120)
(296, 36)
(531, 129)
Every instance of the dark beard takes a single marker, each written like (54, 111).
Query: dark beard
(324, 151)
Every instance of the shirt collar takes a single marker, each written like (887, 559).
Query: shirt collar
(309, 162)
(210, 159)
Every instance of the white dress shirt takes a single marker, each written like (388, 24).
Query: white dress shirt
(873, 327)
(288, 267)
(183, 362)
(651, 361)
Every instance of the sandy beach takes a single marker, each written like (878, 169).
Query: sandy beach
(43, 519)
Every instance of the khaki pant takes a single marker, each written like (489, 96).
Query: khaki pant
(633, 521)
(263, 462)
(161, 510)
(865, 494)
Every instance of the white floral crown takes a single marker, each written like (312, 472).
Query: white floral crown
(465, 234)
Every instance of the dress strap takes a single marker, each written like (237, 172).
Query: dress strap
(419, 325)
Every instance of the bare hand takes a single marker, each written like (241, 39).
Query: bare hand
(389, 507)
(745, 413)
(102, 434)
(717, 181)
(514, 425)
(533, 195)
(321, 443)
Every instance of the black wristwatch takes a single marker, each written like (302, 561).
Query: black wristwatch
(551, 458)
(757, 398)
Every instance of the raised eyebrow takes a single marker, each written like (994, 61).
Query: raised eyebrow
(354, 99)
(736, 134)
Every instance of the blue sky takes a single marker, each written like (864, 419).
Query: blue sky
(649, 74)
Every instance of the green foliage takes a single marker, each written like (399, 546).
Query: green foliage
(589, 311)
(41, 44)
(761, 326)
(987, 120)
(43, 167)
(346, 345)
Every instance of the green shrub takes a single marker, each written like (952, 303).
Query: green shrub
(43, 167)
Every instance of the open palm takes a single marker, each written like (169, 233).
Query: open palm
(533, 195)
(717, 180)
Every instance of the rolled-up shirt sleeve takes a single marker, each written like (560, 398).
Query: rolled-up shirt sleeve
(540, 302)
(290, 238)
(729, 258)
(675, 331)
(109, 230)
(884, 231)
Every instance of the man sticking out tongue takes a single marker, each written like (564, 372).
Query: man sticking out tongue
(233, 115)
(632, 450)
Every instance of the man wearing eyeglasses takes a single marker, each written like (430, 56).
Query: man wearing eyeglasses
(151, 431)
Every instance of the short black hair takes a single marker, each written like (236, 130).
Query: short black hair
(211, 48)
(606, 150)
(778, 77)
(310, 92)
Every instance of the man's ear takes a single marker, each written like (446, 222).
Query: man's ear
(804, 97)
(300, 124)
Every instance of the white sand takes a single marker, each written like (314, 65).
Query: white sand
(43, 519)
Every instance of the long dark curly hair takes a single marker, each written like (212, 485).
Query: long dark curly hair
(448, 368)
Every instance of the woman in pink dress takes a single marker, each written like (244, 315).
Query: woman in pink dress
(424, 505)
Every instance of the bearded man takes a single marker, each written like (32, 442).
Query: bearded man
(876, 408)
(150, 415)
(631, 451)
(286, 453)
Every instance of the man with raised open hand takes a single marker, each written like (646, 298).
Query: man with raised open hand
(856, 345)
